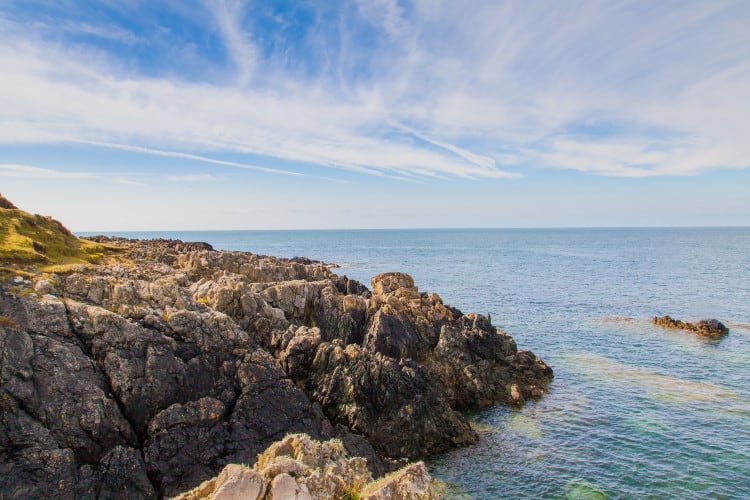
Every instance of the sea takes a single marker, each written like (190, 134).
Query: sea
(635, 410)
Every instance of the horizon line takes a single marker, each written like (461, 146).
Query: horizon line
(441, 228)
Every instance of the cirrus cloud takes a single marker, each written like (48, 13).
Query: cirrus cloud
(488, 91)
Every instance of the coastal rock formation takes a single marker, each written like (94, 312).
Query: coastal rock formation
(712, 328)
(403, 360)
(153, 368)
(298, 467)
(410, 483)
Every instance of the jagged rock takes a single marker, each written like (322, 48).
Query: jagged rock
(706, 327)
(57, 385)
(374, 394)
(418, 363)
(410, 483)
(151, 372)
(236, 482)
(295, 467)
(317, 469)
(269, 406)
(42, 317)
(299, 468)
(121, 473)
(296, 348)
(186, 443)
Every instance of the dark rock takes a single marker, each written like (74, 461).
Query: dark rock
(58, 386)
(121, 473)
(374, 394)
(712, 328)
(391, 335)
(6, 203)
(186, 444)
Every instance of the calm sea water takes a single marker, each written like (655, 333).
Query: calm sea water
(635, 411)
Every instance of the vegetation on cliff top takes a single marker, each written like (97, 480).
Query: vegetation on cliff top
(27, 239)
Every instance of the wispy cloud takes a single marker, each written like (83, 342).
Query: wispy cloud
(185, 156)
(438, 96)
(108, 32)
(191, 178)
(128, 181)
(228, 14)
(34, 172)
(27, 171)
(387, 14)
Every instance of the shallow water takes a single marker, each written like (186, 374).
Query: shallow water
(635, 411)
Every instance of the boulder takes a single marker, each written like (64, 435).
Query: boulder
(235, 482)
(413, 482)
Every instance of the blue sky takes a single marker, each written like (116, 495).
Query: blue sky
(120, 115)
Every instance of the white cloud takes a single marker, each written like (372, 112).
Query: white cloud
(128, 181)
(87, 106)
(384, 13)
(191, 178)
(185, 156)
(534, 81)
(27, 171)
(228, 15)
(108, 32)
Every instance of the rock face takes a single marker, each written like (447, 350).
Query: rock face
(706, 327)
(152, 371)
(410, 483)
(299, 468)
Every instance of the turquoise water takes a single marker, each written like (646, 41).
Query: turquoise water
(635, 411)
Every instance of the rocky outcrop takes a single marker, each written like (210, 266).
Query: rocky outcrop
(300, 468)
(88, 381)
(712, 328)
(156, 368)
(413, 482)
(406, 361)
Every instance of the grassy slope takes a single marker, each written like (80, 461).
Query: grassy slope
(27, 239)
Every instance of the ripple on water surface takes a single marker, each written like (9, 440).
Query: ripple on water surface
(609, 429)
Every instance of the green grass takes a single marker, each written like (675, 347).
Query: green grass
(27, 239)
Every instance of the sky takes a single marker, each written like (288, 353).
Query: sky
(228, 114)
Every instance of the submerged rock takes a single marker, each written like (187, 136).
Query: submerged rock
(152, 371)
(706, 327)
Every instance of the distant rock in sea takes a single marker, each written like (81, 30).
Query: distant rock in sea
(706, 327)
(142, 368)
